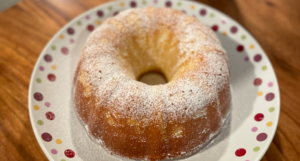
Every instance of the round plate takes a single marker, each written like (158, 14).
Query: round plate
(255, 103)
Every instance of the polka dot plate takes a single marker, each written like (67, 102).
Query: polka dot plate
(255, 104)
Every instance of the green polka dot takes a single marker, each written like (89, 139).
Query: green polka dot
(38, 80)
(40, 122)
(264, 68)
(179, 4)
(243, 37)
(256, 149)
(144, 2)
(79, 23)
(212, 15)
(62, 160)
(271, 109)
(53, 47)
(110, 8)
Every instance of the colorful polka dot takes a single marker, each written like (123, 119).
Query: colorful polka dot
(260, 93)
(87, 17)
(144, 2)
(234, 29)
(51, 77)
(48, 58)
(122, 4)
(251, 46)
(215, 27)
(257, 57)
(133, 4)
(70, 31)
(98, 22)
(243, 37)
(168, 4)
(270, 96)
(65, 50)
(246, 58)
(41, 68)
(79, 23)
(58, 141)
(100, 13)
(259, 117)
(53, 67)
(116, 13)
(224, 33)
(62, 160)
(256, 149)
(269, 124)
(61, 36)
(270, 84)
(254, 129)
(261, 137)
(192, 7)
(240, 152)
(53, 47)
(212, 15)
(69, 153)
(223, 22)
(38, 96)
(240, 48)
(72, 41)
(36, 107)
(38, 80)
(47, 104)
(202, 12)
(264, 68)
(40, 122)
(179, 4)
(271, 109)
(50, 115)
(110, 8)
(46, 137)
(257, 82)
(90, 28)
(54, 151)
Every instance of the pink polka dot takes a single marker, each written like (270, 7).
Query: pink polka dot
(65, 50)
(240, 48)
(51, 77)
(41, 68)
(233, 29)
(257, 57)
(202, 12)
(215, 27)
(223, 21)
(258, 117)
(69, 153)
(72, 41)
(50, 115)
(90, 27)
(254, 129)
(155, 1)
(240, 152)
(87, 17)
(257, 82)
(54, 151)
(47, 104)
(270, 96)
(246, 58)
(270, 84)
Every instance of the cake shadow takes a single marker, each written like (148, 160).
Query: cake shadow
(243, 96)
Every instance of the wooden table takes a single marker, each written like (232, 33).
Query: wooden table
(28, 26)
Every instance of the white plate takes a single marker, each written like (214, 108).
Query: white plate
(256, 100)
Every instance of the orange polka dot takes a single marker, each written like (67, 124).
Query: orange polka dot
(269, 124)
(260, 93)
(122, 4)
(58, 141)
(98, 22)
(192, 7)
(36, 107)
(251, 46)
(61, 36)
(53, 67)
(224, 33)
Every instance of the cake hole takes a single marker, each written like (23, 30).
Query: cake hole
(153, 78)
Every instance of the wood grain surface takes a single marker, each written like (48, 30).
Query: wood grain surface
(29, 25)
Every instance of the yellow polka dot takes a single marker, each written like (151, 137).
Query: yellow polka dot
(58, 141)
(53, 67)
(269, 124)
(192, 7)
(122, 4)
(36, 107)
(251, 46)
(224, 33)
(61, 37)
(260, 93)
(98, 22)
